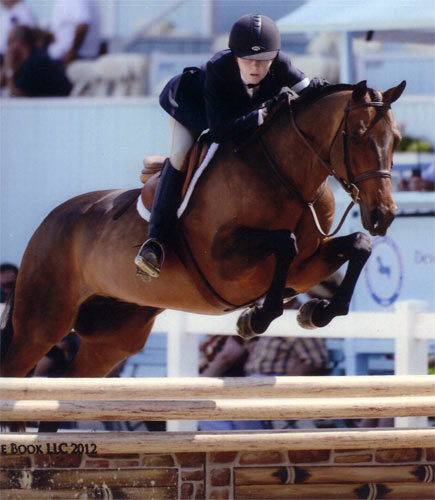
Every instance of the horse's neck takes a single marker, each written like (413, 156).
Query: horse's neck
(319, 123)
(321, 120)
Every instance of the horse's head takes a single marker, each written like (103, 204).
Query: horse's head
(370, 135)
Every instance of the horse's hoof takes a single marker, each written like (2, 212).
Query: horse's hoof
(305, 314)
(244, 323)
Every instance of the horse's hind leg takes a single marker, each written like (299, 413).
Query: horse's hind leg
(42, 316)
(354, 248)
(122, 332)
(110, 332)
(256, 320)
(99, 354)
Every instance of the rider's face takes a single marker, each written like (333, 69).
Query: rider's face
(252, 70)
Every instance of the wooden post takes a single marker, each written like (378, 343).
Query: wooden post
(182, 360)
(411, 352)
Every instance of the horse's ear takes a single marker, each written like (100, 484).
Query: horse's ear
(394, 93)
(359, 90)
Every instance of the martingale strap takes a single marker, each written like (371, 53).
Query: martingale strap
(293, 191)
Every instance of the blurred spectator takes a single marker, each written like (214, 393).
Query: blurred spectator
(222, 356)
(8, 277)
(421, 180)
(288, 355)
(13, 13)
(76, 29)
(293, 355)
(30, 71)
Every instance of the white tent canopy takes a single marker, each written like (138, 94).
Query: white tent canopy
(394, 20)
(360, 15)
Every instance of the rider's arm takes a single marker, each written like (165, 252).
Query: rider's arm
(288, 75)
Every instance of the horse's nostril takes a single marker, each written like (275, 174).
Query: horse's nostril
(375, 216)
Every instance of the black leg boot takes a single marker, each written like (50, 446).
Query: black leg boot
(151, 255)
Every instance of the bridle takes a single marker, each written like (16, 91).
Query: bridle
(350, 185)
(352, 181)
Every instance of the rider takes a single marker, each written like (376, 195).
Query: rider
(225, 96)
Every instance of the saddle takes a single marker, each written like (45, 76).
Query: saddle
(153, 165)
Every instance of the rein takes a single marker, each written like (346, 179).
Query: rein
(349, 185)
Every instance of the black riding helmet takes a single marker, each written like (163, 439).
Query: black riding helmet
(255, 37)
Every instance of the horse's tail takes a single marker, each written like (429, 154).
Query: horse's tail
(7, 330)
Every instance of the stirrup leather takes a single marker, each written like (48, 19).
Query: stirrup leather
(150, 258)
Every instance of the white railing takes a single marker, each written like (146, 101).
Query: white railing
(410, 326)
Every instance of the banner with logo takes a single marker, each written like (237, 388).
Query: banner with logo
(402, 264)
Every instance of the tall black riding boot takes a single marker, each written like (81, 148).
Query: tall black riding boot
(151, 255)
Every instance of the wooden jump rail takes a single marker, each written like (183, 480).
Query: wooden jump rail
(264, 398)
(202, 387)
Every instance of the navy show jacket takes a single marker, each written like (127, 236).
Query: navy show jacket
(214, 97)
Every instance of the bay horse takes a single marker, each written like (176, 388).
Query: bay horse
(256, 226)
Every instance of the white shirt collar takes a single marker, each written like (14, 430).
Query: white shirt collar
(250, 92)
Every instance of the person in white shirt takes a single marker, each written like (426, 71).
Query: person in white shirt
(76, 29)
(13, 13)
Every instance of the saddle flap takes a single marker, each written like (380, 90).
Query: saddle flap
(153, 165)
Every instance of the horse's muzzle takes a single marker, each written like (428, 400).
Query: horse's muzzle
(379, 220)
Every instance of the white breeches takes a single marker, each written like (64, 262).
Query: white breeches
(181, 140)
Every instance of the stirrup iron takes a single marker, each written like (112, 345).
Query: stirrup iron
(148, 260)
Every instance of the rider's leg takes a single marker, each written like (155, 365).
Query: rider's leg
(166, 200)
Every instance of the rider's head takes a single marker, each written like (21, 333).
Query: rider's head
(255, 37)
(255, 42)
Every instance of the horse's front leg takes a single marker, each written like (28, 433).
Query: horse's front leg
(256, 320)
(356, 249)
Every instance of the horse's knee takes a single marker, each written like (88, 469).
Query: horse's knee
(362, 243)
(361, 247)
(355, 246)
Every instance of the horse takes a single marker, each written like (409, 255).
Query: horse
(267, 242)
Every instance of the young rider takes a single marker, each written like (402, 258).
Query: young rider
(224, 96)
